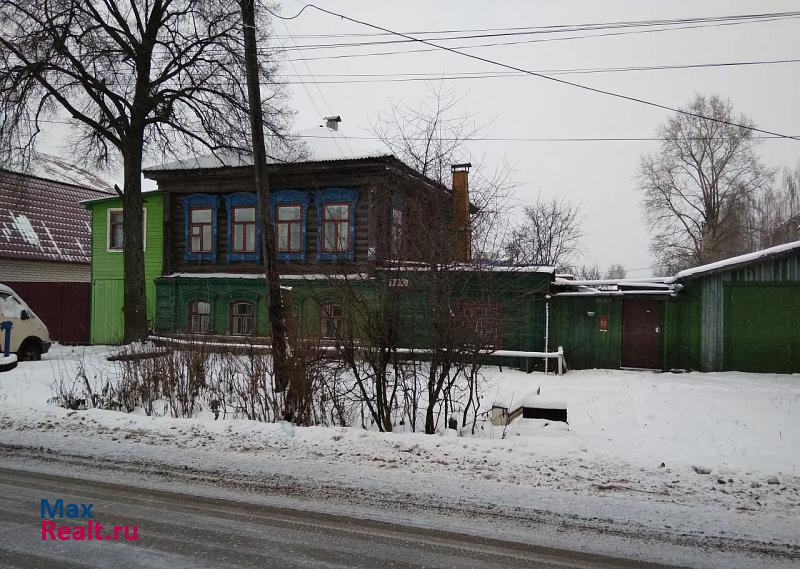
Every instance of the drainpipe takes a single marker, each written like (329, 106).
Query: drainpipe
(546, 331)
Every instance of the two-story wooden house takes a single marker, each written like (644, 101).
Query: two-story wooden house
(342, 217)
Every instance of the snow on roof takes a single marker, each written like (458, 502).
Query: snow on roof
(593, 292)
(235, 160)
(478, 267)
(324, 144)
(208, 162)
(308, 277)
(733, 262)
(214, 276)
(56, 169)
(538, 402)
(93, 201)
(640, 282)
(42, 220)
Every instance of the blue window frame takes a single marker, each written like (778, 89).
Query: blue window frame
(244, 228)
(336, 230)
(200, 227)
(289, 217)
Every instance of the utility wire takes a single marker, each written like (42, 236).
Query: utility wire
(711, 23)
(324, 99)
(284, 49)
(395, 78)
(406, 77)
(313, 102)
(494, 138)
(556, 27)
(508, 43)
(575, 70)
(535, 74)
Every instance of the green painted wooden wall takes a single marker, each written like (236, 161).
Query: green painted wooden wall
(762, 327)
(681, 341)
(522, 299)
(574, 326)
(703, 325)
(106, 324)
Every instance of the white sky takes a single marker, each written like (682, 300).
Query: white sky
(598, 175)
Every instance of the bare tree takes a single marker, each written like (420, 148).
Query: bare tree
(431, 138)
(701, 187)
(366, 341)
(549, 234)
(586, 273)
(133, 78)
(616, 271)
(779, 211)
(433, 135)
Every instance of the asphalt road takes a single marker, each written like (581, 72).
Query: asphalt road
(178, 530)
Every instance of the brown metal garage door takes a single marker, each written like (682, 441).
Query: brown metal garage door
(63, 307)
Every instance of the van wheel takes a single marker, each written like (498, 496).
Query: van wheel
(30, 351)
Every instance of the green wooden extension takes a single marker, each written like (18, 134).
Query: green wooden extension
(106, 325)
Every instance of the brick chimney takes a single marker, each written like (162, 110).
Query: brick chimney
(461, 240)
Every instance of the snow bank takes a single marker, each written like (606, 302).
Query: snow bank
(7, 360)
(731, 421)
(631, 444)
(726, 420)
(539, 402)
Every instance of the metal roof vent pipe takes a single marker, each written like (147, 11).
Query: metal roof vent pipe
(332, 123)
(461, 235)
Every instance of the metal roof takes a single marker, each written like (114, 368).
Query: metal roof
(42, 220)
(734, 262)
(57, 169)
(234, 160)
(104, 199)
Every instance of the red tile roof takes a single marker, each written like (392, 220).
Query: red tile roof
(42, 219)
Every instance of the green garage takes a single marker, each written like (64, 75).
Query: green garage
(738, 314)
(762, 327)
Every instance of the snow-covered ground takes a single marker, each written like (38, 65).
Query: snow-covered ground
(693, 455)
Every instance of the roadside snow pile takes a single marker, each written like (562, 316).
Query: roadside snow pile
(557, 436)
(683, 454)
(738, 421)
(686, 438)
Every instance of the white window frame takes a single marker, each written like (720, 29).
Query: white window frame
(111, 210)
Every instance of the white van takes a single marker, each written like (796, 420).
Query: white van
(29, 336)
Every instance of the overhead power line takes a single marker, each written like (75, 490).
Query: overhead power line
(557, 27)
(319, 90)
(405, 77)
(535, 74)
(489, 138)
(344, 78)
(515, 42)
(552, 139)
(712, 22)
(679, 24)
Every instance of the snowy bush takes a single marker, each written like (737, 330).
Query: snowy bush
(201, 379)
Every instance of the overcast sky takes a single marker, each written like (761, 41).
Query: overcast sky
(600, 176)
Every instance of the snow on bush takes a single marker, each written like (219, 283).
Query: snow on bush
(198, 381)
